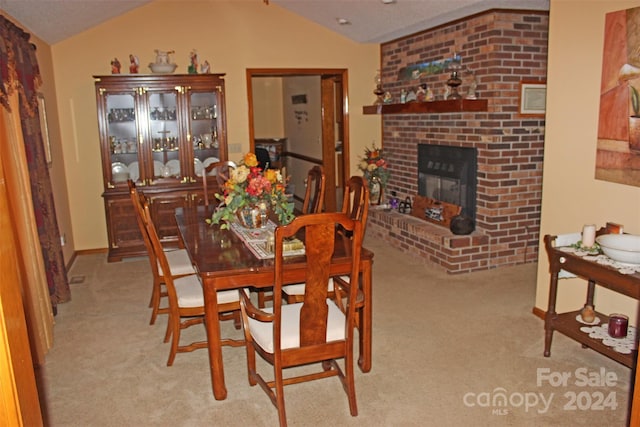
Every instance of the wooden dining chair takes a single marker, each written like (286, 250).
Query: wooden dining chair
(355, 203)
(186, 299)
(221, 170)
(320, 329)
(178, 259)
(313, 203)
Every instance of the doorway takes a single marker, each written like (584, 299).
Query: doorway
(306, 111)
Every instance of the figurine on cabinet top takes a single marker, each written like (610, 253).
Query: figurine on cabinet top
(387, 98)
(205, 68)
(134, 64)
(115, 66)
(193, 65)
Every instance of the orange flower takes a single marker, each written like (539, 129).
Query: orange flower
(250, 160)
(271, 175)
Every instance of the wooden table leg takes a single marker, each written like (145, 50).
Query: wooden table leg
(364, 360)
(551, 311)
(213, 339)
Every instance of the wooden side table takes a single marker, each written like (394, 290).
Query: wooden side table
(595, 274)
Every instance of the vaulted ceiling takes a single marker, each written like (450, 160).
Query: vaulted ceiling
(363, 21)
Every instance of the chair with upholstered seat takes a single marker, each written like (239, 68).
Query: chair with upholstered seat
(186, 299)
(320, 329)
(178, 259)
(221, 170)
(355, 203)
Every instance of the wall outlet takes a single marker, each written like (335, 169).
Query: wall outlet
(63, 239)
(235, 148)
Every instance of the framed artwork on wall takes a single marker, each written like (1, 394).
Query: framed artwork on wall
(618, 147)
(533, 98)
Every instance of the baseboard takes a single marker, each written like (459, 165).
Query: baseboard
(85, 252)
(539, 312)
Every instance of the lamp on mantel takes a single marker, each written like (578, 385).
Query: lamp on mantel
(455, 80)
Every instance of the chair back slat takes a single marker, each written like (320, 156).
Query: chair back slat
(314, 193)
(313, 314)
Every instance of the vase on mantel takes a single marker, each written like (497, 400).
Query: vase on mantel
(375, 190)
(253, 216)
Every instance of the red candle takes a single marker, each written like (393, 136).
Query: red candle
(618, 324)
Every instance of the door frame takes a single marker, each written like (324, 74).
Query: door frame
(334, 98)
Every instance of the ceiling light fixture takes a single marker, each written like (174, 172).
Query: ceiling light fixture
(388, 1)
(343, 21)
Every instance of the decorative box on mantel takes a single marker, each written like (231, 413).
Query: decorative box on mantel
(429, 242)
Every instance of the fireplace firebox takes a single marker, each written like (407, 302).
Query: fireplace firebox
(449, 174)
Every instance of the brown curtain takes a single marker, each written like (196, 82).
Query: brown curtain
(29, 188)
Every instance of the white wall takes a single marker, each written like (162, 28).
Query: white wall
(268, 121)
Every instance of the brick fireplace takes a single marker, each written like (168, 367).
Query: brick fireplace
(502, 48)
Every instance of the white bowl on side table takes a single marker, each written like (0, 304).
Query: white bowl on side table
(624, 248)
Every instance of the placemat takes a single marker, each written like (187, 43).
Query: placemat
(254, 234)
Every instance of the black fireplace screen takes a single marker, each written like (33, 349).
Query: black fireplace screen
(449, 174)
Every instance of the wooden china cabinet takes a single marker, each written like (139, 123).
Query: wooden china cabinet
(159, 130)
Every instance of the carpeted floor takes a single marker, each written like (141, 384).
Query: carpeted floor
(461, 350)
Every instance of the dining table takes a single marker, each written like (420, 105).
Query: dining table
(224, 260)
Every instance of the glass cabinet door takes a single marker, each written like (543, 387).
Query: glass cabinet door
(164, 131)
(204, 129)
(122, 134)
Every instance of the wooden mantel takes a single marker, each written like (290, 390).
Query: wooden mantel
(448, 106)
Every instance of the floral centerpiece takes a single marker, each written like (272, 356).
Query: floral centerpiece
(374, 168)
(251, 187)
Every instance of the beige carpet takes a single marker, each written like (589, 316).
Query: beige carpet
(444, 347)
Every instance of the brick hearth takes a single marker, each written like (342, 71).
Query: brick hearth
(430, 242)
(502, 48)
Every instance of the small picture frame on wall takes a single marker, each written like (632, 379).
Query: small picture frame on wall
(299, 99)
(533, 98)
(44, 128)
